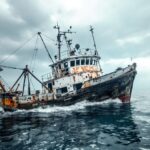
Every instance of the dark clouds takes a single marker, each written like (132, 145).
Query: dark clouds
(121, 27)
(31, 12)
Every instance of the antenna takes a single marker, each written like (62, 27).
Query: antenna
(92, 32)
(68, 42)
(58, 40)
(96, 51)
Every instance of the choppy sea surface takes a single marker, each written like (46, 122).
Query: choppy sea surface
(108, 125)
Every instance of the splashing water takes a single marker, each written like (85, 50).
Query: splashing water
(85, 125)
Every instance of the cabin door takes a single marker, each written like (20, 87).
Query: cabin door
(50, 86)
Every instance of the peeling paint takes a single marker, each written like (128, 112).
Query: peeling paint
(86, 84)
(79, 69)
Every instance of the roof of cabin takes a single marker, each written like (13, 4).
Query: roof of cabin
(75, 57)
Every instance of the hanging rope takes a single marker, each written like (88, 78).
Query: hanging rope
(34, 59)
(32, 84)
(34, 56)
(16, 50)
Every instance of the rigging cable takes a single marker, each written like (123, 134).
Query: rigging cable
(34, 56)
(16, 50)
(4, 81)
(20, 82)
(49, 38)
(32, 84)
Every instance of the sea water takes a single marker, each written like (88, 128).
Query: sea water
(108, 125)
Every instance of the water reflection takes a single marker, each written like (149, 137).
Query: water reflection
(107, 126)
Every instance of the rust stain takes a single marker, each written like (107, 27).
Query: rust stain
(9, 102)
(86, 84)
(94, 75)
(80, 69)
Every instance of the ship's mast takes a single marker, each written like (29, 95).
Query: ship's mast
(58, 40)
(96, 51)
(92, 32)
(25, 73)
(68, 42)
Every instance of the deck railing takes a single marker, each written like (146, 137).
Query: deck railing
(46, 77)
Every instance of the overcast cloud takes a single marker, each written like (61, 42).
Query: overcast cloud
(122, 31)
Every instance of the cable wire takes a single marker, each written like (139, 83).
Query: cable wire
(16, 50)
(49, 38)
(34, 55)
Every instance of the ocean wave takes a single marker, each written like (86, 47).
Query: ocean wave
(53, 109)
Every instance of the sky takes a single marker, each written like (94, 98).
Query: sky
(121, 28)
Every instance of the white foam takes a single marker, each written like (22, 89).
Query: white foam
(76, 107)
(1, 110)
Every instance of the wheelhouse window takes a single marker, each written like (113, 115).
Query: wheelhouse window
(66, 64)
(62, 90)
(91, 61)
(66, 68)
(95, 62)
(82, 61)
(77, 86)
(87, 61)
(77, 62)
(72, 63)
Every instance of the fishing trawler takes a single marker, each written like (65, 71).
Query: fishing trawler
(74, 78)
